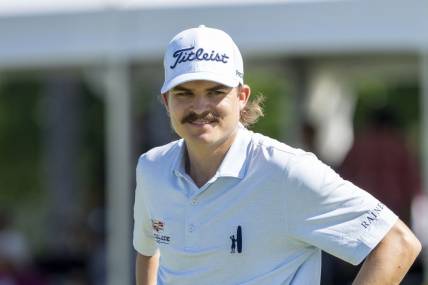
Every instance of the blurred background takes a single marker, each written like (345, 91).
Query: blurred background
(79, 102)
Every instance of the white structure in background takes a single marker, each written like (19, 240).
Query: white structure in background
(111, 34)
(330, 108)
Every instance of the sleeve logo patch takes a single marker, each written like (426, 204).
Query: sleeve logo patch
(372, 215)
(158, 227)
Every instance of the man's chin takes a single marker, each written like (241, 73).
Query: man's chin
(208, 134)
(207, 137)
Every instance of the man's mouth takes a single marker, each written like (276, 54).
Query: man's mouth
(202, 122)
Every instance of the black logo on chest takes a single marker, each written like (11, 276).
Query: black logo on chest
(236, 241)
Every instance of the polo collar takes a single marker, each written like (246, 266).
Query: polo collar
(233, 164)
(178, 167)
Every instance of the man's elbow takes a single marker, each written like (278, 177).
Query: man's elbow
(407, 243)
(412, 244)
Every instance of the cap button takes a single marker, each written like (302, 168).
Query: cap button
(202, 26)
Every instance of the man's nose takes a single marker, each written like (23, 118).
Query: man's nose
(200, 104)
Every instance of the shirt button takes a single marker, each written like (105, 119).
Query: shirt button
(194, 201)
(191, 228)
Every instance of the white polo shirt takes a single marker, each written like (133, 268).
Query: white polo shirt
(287, 205)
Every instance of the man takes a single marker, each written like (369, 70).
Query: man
(281, 205)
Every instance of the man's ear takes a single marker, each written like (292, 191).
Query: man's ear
(164, 98)
(244, 93)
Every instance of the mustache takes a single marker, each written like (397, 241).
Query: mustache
(208, 116)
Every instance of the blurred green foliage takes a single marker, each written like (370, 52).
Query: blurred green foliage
(402, 97)
(23, 191)
(278, 102)
(21, 140)
(20, 133)
(92, 150)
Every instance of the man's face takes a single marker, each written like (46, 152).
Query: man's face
(205, 112)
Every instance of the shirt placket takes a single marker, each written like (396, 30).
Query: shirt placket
(192, 215)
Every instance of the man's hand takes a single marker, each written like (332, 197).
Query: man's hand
(390, 260)
(146, 268)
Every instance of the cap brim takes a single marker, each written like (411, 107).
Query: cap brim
(183, 78)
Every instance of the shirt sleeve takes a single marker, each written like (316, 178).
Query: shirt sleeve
(143, 240)
(331, 213)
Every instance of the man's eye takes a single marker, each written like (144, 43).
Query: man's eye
(182, 94)
(218, 92)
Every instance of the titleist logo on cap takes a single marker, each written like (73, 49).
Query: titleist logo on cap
(187, 54)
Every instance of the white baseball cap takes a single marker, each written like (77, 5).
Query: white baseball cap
(202, 54)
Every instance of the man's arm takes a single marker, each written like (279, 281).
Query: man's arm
(390, 260)
(146, 268)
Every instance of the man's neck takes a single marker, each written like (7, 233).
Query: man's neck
(203, 161)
